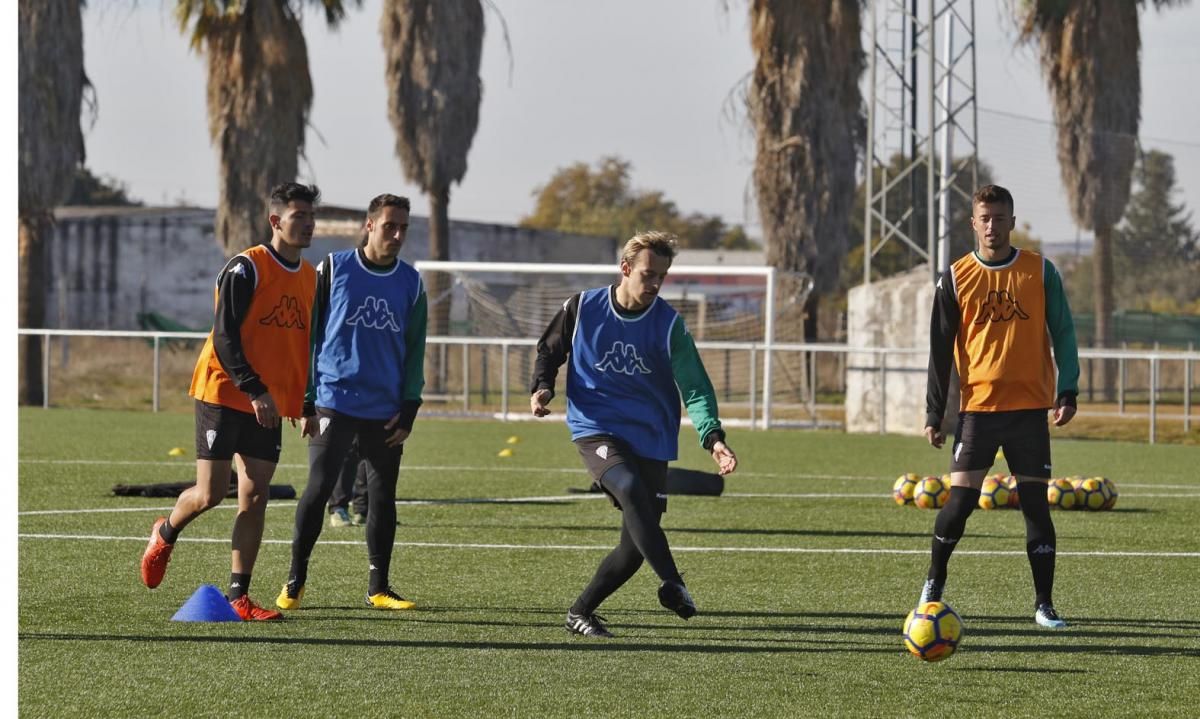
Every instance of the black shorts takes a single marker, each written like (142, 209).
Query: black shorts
(222, 432)
(1023, 434)
(601, 453)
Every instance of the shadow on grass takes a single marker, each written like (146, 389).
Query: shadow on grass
(579, 644)
(1022, 670)
(616, 527)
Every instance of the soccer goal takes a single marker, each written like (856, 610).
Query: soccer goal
(481, 312)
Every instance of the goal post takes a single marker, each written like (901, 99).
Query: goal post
(733, 305)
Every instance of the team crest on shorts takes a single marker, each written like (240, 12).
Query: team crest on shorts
(602, 451)
(211, 436)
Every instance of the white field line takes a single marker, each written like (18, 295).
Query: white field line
(607, 548)
(186, 464)
(288, 503)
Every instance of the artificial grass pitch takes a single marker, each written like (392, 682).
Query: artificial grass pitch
(803, 572)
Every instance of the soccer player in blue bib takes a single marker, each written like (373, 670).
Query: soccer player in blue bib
(630, 360)
(367, 373)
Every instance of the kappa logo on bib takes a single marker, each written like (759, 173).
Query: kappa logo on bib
(624, 359)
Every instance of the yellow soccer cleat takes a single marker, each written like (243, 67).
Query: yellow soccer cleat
(389, 600)
(286, 601)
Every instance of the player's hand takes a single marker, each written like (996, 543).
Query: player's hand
(308, 426)
(265, 410)
(396, 438)
(538, 401)
(723, 455)
(1063, 413)
(935, 436)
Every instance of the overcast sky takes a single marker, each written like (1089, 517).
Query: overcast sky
(649, 80)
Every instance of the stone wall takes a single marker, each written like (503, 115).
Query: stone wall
(891, 313)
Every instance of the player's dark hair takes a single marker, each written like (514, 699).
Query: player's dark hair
(992, 194)
(387, 200)
(285, 193)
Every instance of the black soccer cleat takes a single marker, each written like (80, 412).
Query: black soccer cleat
(674, 596)
(587, 625)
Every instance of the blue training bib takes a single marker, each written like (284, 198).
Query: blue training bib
(360, 359)
(619, 380)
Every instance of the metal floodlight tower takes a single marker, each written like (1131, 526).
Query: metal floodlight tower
(922, 109)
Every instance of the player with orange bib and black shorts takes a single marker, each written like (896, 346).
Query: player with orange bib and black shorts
(997, 314)
(251, 373)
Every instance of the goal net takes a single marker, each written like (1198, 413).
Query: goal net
(485, 319)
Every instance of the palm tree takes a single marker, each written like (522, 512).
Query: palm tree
(259, 95)
(1090, 53)
(806, 107)
(50, 81)
(432, 50)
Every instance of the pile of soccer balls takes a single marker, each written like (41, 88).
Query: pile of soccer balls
(1000, 492)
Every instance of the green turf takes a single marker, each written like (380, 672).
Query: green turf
(780, 633)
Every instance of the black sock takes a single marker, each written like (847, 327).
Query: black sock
(377, 581)
(616, 569)
(948, 528)
(167, 532)
(298, 574)
(239, 584)
(1041, 543)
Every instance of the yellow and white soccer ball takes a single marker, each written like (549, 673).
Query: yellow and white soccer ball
(902, 490)
(1092, 494)
(1014, 500)
(932, 631)
(994, 493)
(931, 492)
(1112, 492)
(1060, 493)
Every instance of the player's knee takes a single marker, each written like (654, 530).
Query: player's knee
(211, 498)
(962, 503)
(622, 484)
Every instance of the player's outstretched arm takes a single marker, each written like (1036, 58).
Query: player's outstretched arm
(723, 455)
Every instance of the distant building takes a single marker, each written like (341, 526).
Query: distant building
(107, 265)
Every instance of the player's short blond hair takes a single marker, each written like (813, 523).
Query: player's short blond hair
(663, 244)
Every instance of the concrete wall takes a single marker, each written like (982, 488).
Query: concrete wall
(891, 313)
(107, 265)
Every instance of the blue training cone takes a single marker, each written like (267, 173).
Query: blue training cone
(208, 604)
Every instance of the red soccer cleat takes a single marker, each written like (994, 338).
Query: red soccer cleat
(156, 556)
(251, 612)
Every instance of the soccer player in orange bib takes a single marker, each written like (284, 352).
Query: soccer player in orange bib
(997, 313)
(251, 373)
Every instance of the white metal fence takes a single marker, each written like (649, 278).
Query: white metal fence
(750, 393)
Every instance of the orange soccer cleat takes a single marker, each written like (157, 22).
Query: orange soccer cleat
(251, 612)
(156, 556)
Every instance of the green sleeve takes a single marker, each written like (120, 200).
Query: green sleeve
(1062, 330)
(414, 350)
(694, 385)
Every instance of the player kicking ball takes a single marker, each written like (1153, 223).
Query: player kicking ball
(630, 360)
(997, 313)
